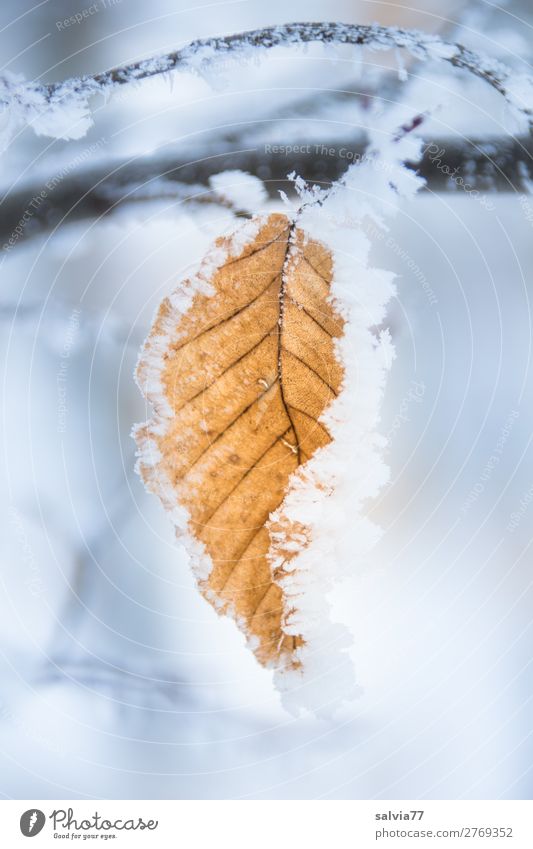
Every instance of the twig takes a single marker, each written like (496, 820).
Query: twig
(487, 166)
(29, 101)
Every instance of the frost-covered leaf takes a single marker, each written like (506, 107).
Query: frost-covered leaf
(266, 372)
(245, 376)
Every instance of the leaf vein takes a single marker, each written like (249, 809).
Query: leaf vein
(245, 475)
(296, 357)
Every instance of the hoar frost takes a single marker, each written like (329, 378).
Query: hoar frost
(62, 110)
(330, 493)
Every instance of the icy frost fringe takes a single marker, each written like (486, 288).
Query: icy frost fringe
(148, 375)
(62, 110)
(328, 495)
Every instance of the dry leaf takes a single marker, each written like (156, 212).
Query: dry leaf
(239, 383)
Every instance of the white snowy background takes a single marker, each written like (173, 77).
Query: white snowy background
(117, 679)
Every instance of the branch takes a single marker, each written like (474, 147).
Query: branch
(484, 166)
(61, 109)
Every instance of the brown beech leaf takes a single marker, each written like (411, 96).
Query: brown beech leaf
(239, 382)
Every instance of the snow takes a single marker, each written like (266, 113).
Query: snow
(64, 117)
(519, 91)
(242, 191)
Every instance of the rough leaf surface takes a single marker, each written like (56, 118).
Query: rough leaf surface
(243, 377)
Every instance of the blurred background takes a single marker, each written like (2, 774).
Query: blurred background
(117, 679)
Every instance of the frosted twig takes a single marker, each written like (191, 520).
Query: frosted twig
(489, 165)
(42, 105)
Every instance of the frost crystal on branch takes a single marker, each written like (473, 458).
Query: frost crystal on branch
(62, 109)
(59, 113)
